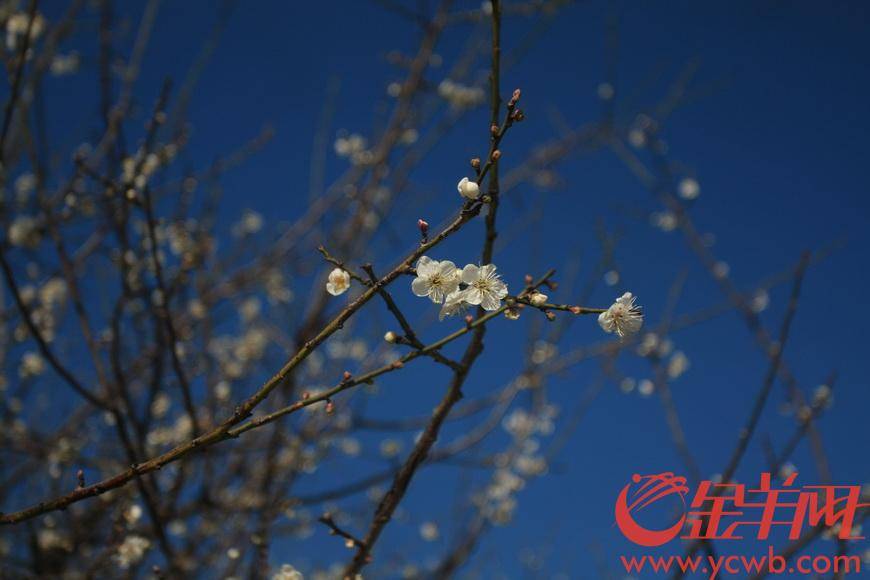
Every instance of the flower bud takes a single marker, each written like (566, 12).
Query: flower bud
(391, 337)
(468, 189)
(538, 299)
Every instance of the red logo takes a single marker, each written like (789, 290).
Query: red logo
(651, 489)
(734, 511)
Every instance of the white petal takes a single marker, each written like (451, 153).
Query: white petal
(446, 268)
(490, 302)
(470, 273)
(473, 296)
(420, 287)
(500, 289)
(605, 321)
(426, 266)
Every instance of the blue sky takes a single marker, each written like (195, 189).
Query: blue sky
(777, 140)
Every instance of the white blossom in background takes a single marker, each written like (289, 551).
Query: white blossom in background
(65, 64)
(338, 282)
(611, 277)
(161, 405)
(250, 223)
(637, 137)
(131, 551)
(787, 470)
(16, 28)
(133, 514)
(24, 232)
(468, 188)
(627, 385)
(249, 309)
(760, 301)
(53, 292)
(394, 89)
(485, 288)
(823, 396)
(429, 531)
(688, 188)
(519, 423)
(390, 448)
(623, 317)
(543, 351)
(605, 91)
(50, 539)
(32, 365)
(196, 309)
(460, 96)
(646, 388)
(409, 136)
(721, 269)
(678, 364)
(350, 145)
(287, 572)
(435, 279)
(24, 185)
(666, 221)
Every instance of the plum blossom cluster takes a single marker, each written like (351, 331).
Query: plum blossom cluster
(455, 289)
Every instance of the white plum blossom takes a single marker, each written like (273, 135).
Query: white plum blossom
(453, 304)
(435, 279)
(338, 283)
(468, 189)
(485, 288)
(623, 317)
